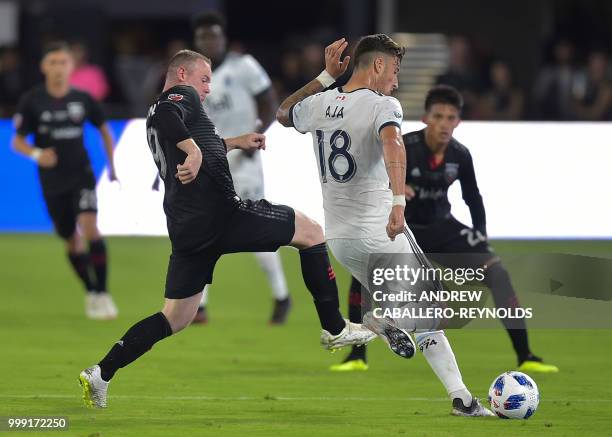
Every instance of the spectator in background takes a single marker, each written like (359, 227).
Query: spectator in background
(503, 101)
(290, 73)
(461, 74)
(88, 77)
(11, 81)
(593, 91)
(554, 84)
(155, 77)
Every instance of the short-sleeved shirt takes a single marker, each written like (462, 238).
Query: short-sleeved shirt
(431, 180)
(232, 106)
(58, 123)
(345, 128)
(197, 213)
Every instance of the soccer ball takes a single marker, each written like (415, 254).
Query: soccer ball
(514, 395)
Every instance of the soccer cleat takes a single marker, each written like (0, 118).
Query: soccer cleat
(94, 387)
(474, 410)
(107, 306)
(533, 366)
(357, 365)
(352, 334)
(399, 341)
(93, 307)
(201, 317)
(281, 311)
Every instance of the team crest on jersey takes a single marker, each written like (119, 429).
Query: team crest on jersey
(175, 97)
(451, 171)
(76, 111)
(46, 116)
(397, 114)
(415, 173)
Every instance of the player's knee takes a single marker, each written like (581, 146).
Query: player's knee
(307, 232)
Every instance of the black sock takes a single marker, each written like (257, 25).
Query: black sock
(80, 264)
(498, 280)
(320, 280)
(97, 255)
(135, 342)
(355, 316)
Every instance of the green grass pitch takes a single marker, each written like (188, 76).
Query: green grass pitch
(239, 376)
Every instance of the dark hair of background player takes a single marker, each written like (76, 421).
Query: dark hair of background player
(443, 94)
(55, 46)
(208, 19)
(379, 43)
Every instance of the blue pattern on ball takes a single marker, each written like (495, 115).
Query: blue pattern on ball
(514, 402)
(522, 380)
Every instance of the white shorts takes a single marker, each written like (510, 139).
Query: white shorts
(247, 173)
(357, 257)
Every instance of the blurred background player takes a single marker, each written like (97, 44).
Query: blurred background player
(56, 113)
(242, 100)
(435, 161)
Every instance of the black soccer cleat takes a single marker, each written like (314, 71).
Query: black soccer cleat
(281, 311)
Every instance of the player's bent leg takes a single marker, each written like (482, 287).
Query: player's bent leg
(320, 280)
(140, 338)
(201, 317)
(504, 295)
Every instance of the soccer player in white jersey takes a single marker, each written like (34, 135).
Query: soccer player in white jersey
(242, 100)
(360, 153)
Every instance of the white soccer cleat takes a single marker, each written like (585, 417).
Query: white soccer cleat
(94, 387)
(399, 341)
(352, 334)
(93, 307)
(476, 409)
(107, 304)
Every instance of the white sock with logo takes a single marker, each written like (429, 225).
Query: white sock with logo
(270, 263)
(437, 351)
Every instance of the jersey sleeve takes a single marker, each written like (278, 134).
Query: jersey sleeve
(388, 112)
(185, 100)
(95, 114)
(252, 75)
(24, 119)
(471, 193)
(300, 115)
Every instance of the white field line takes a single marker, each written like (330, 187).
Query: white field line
(271, 397)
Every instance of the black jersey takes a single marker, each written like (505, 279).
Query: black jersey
(196, 212)
(430, 182)
(58, 123)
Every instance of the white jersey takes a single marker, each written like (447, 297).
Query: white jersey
(232, 107)
(345, 128)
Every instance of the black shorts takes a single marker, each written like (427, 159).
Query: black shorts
(64, 207)
(452, 244)
(256, 226)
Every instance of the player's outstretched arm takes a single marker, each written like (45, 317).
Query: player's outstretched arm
(394, 155)
(109, 149)
(43, 157)
(334, 68)
(249, 142)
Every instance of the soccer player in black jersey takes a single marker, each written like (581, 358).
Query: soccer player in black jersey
(435, 160)
(206, 219)
(55, 114)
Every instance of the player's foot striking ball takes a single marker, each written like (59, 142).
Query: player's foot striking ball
(206, 219)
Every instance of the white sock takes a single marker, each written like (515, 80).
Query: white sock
(204, 300)
(437, 351)
(270, 263)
